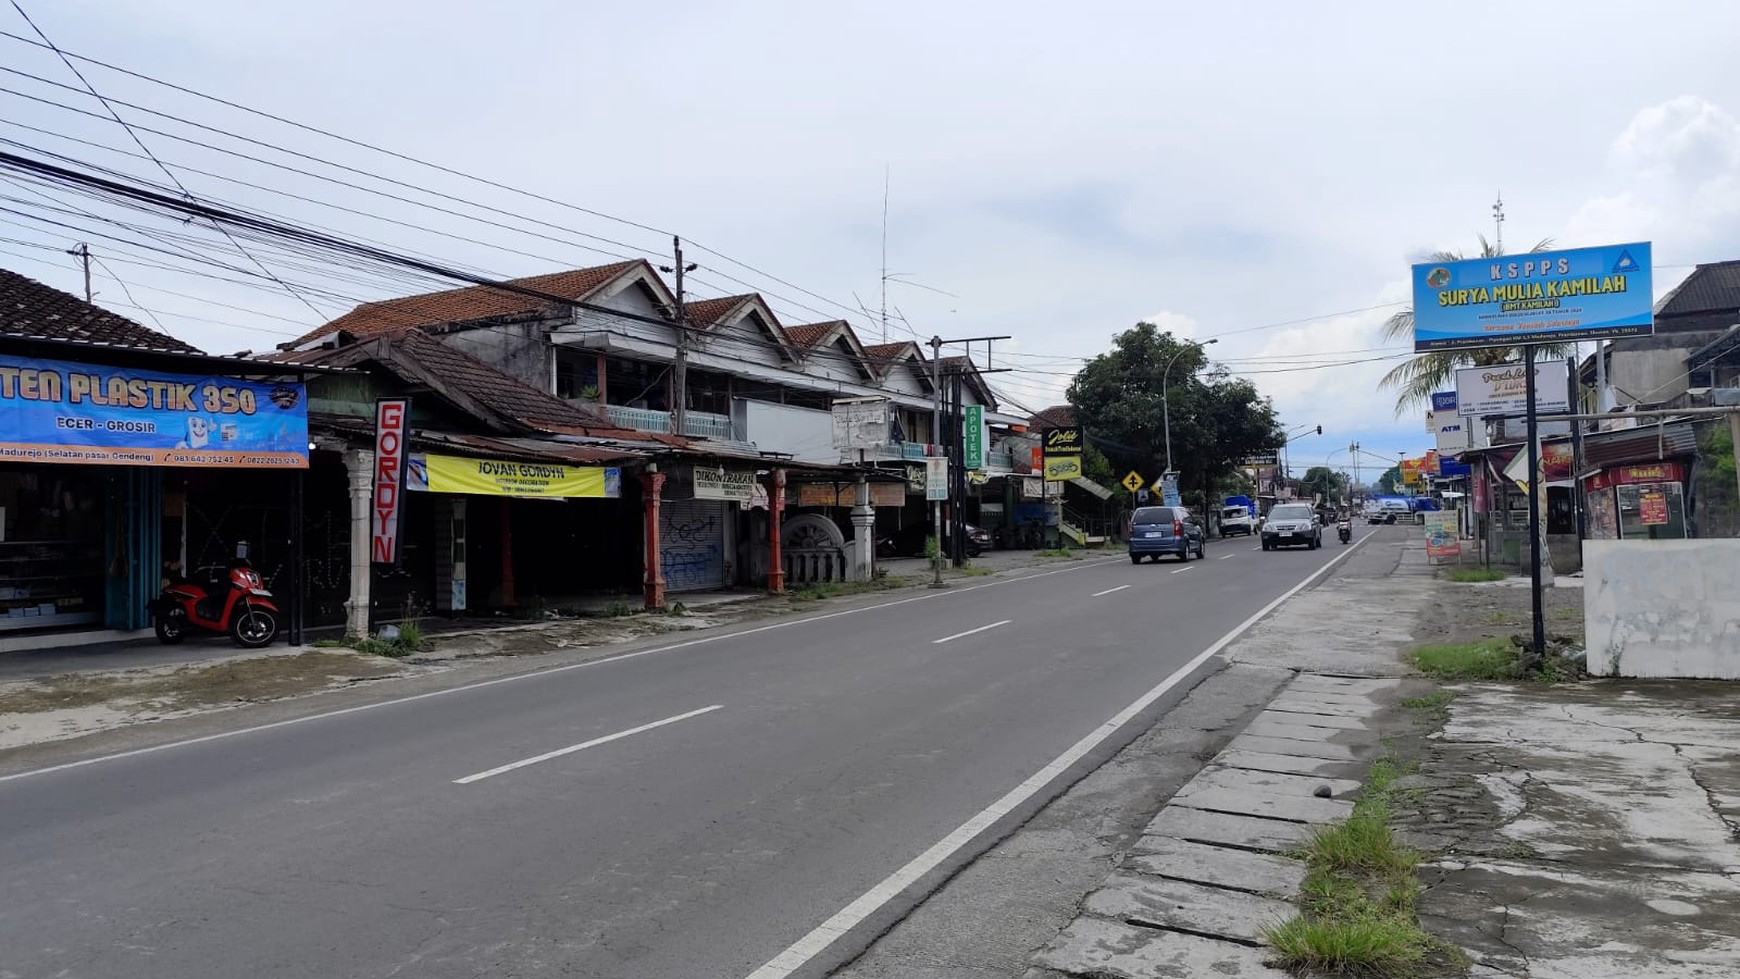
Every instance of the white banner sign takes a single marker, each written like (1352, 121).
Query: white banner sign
(936, 478)
(1449, 430)
(713, 484)
(1501, 389)
(860, 424)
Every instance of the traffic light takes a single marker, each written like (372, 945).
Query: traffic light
(1320, 429)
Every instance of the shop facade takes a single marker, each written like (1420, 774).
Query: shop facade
(121, 470)
(1637, 502)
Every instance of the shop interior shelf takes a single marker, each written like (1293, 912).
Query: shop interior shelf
(10, 624)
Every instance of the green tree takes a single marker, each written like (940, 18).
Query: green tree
(1216, 420)
(1415, 379)
(1390, 483)
(1325, 482)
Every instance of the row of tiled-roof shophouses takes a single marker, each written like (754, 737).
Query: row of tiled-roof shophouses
(541, 464)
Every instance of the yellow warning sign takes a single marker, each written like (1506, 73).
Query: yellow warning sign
(1134, 482)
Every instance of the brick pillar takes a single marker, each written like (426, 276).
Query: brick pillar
(652, 485)
(775, 509)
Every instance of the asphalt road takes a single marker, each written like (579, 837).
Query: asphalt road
(399, 841)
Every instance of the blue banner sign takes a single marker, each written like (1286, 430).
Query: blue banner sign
(1444, 401)
(63, 412)
(1540, 297)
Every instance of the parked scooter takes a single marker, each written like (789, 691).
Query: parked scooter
(232, 599)
(1344, 529)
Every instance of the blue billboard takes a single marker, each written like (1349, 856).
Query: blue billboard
(1444, 401)
(1540, 297)
(58, 411)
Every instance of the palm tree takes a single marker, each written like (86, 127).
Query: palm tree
(1416, 379)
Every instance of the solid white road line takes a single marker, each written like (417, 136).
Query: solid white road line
(1108, 591)
(582, 746)
(1224, 557)
(1188, 567)
(600, 661)
(970, 632)
(868, 903)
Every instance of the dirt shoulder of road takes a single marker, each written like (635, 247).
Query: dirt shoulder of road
(65, 706)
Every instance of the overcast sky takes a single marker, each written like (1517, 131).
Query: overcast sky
(1061, 171)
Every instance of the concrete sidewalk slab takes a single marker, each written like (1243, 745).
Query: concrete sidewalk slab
(1308, 747)
(1268, 726)
(1224, 829)
(1299, 809)
(1200, 863)
(1262, 761)
(1183, 906)
(1094, 947)
(1339, 722)
(1221, 774)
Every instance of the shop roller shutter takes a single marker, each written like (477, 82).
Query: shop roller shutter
(692, 544)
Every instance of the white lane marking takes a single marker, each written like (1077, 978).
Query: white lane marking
(1224, 557)
(1108, 591)
(1188, 567)
(582, 746)
(970, 632)
(1257, 548)
(360, 708)
(850, 916)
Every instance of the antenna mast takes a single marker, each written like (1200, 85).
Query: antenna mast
(1498, 223)
(885, 169)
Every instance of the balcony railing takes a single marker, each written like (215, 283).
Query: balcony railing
(697, 424)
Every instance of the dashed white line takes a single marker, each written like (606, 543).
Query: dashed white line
(1188, 567)
(800, 952)
(582, 746)
(970, 632)
(1224, 557)
(1108, 591)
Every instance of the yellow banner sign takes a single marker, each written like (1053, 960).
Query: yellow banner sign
(1058, 468)
(499, 477)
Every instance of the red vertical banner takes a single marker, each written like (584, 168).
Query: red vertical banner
(392, 449)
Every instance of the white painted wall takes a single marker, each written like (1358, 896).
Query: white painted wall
(832, 362)
(805, 433)
(745, 338)
(1662, 608)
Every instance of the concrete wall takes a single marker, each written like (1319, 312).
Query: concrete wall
(518, 350)
(1652, 375)
(805, 433)
(1663, 608)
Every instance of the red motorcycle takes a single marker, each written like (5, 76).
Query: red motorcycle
(232, 599)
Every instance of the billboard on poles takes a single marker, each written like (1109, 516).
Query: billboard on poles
(1540, 297)
(1063, 452)
(1502, 389)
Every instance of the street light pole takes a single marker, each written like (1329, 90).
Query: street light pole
(1165, 404)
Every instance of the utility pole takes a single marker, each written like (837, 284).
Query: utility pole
(680, 364)
(83, 252)
(936, 343)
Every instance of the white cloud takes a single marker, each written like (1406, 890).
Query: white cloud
(1178, 324)
(1677, 165)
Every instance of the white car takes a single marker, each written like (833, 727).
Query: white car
(1236, 520)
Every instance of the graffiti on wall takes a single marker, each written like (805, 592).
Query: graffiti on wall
(691, 548)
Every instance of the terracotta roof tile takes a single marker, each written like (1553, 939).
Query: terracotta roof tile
(391, 316)
(29, 308)
(809, 334)
(1056, 416)
(706, 313)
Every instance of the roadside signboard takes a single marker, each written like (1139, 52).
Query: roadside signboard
(1441, 534)
(1541, 297)
(1261, 460)
(1169, 490)
(1063, 451)
(861, 423)
(1502, 389)
(1134, 481)
(973, 436)
(65, 412)
(433, 473)
(392, 446)
(936, 478)
(1449, 431)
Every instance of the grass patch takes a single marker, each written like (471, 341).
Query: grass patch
(1484, 659)
(1358, 898)
(1431, 701)
(836, 589)
(1054, 552)
(1471, 575)
(972, 572)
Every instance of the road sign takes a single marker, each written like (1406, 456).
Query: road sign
(1134, 482)
(936, 478)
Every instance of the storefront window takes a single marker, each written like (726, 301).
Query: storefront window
(51, 547)
(1651, 511)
